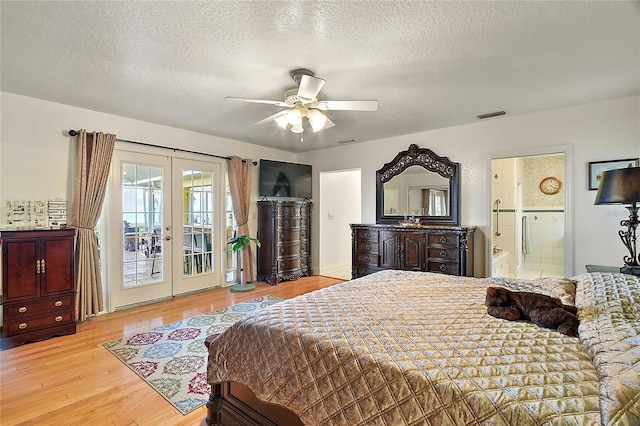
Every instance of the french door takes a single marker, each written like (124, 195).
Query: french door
(166, 215)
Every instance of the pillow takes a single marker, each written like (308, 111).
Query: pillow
(561, 288)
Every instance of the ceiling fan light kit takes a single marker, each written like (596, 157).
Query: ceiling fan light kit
(303, 103)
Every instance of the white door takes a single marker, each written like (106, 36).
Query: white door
(163, 213)
(198, 208)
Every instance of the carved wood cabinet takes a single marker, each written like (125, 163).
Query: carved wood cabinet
(38, 287)
(284, 228)
(441, 249)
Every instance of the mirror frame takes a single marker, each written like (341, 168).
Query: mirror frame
(424, 157)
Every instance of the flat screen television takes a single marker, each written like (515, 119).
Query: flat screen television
(280, 179)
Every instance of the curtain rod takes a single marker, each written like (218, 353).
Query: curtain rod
(255, 163)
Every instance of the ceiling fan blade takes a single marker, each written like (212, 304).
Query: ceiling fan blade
(310, 87)
(272, 117)
(259, 101)
(348, 105)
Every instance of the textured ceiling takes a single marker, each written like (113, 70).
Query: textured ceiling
(429, 64)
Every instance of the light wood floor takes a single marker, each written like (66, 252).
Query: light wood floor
(73, 380)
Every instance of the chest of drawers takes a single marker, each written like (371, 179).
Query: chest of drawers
(38, 287)
(283, 231)
(441, 249)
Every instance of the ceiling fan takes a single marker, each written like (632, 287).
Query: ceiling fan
(302, 102)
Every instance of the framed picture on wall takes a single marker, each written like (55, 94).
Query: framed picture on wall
(597, 167)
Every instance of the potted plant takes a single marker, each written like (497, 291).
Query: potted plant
(237, 245)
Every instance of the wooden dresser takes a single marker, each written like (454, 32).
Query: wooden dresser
(38, 286)
(284, 228)
(442, 249)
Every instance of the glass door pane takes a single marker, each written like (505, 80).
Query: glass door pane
(142, 224)
(197, 195)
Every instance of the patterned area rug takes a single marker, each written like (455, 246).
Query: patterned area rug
(173, 358)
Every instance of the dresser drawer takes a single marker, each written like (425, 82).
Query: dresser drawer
(289, 210)
(367, 247)
(362, 270)
(451, 268)
(366, 235)
(448, 239)
(444, 253)
(367, 259)
(287, 265)
(14, 326)
(288, 222)
(289, 235)
(31, 307)
(288, 249)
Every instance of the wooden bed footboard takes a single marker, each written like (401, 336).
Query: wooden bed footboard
(232, 403)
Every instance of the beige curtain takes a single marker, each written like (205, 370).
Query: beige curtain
(93, 160)
(240, 185)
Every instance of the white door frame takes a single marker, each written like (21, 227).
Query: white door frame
(339, 205)
(567, 150)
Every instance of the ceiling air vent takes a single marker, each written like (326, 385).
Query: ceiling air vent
(490, 115)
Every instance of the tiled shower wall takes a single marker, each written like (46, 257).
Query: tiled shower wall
(547, 242)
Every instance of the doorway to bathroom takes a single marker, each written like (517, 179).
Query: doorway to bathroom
(528, 235)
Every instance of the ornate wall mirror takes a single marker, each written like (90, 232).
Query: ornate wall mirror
(418, 183)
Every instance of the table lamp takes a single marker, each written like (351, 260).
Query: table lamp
(622, 186)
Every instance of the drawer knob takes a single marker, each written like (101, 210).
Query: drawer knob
(58, 318)
(22, 326)
(443, 253)
(22, 309)
(367, 246)
(281, 236)
(443, 239)
(58, 303)
(366, 259)
(281, 250)
(443, 267)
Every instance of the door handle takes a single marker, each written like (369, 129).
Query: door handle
(498, 233)
(168, 237)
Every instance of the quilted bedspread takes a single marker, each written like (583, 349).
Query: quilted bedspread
(609, 313)
(410, 348)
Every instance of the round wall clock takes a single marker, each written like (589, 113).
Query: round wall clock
(550, 185)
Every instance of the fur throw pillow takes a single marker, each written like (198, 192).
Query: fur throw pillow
(545, 311)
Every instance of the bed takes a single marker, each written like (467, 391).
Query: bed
(414, 348)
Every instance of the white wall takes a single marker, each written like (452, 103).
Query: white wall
(596, 131)
(339, 206)
(36, 158)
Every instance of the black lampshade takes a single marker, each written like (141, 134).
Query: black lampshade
(620, 186)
